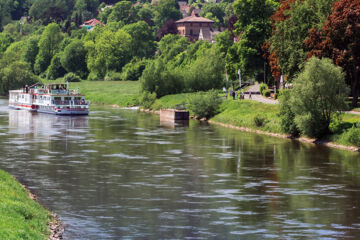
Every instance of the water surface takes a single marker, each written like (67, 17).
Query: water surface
(120, 174)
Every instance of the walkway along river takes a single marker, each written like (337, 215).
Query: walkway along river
(119, 174)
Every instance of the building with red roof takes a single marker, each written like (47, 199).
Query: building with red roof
(193, 26)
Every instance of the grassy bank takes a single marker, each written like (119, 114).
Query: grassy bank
(20, 216)
(121, 93)
(244, 114)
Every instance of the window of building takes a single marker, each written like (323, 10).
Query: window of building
(200, 24)
(190, 31)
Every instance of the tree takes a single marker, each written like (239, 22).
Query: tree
(317, 96)
(253, 28)
(142, 44)
(14, 75)
(5, 41)
(73, 59)
(55, 70)
(51, 10)
(339, 39)
(48, 47)
(215, 10)
(31, 50)
(109, 52)
(165, 10)
(171, 45)
(122, 11)
(146, 14)
(291, 31)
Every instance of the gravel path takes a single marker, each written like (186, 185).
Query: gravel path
(256, 96)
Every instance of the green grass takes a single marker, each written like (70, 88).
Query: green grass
(121, 93)
(242, 114)
(20, 216)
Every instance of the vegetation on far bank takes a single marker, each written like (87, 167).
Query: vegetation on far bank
(21, 217)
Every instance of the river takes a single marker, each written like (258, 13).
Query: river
(121, 174)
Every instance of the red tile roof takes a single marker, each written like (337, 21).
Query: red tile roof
(93, 22)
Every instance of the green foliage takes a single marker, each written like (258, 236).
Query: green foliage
(165, 10)
(215, 10)
(122, 11)
(109, 52)
(147, 99)
(161, 80)
(31, 50)
(286, 115)
(352, 136)
(73, 59)
(288, 38)
(262, 87)
(48, 47)
(15, 75)
(204, 105)
(259, 120)
(71, 77)
(55, 70)
(319, 93)
(266, 93)
(224, 41)
(142, 44)
(206, 72)
(5, 41)
(51, 10)
(134, 69)
(171, 45)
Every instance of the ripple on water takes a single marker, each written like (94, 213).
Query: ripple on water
(125, 156)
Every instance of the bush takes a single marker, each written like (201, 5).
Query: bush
(113, 76)
(147, 99)
(352, 136)
(204, 105)
(266, 92)
(318, 95)
(71, 77)
(259, 121)
(286, 115)
(133, 70)
(262, 87)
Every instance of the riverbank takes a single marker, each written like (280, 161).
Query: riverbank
(22, 217)
(235, 113)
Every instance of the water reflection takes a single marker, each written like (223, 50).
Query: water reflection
(120, 174)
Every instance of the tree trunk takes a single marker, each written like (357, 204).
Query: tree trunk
(355, 90)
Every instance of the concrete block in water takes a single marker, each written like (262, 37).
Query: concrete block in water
(173, 115)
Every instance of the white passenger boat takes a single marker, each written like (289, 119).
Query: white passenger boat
(54, 98)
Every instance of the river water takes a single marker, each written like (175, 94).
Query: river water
(120, 174)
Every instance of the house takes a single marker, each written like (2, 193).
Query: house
(195, 28)
(89, 25)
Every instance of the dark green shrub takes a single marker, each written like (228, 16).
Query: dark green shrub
(262, 87)
(72, 77)
(266, 92)
(147, 99)
(352, 136)
(133, 70)
(55, 70)
(204, 105)
(318, 95)
(286, 115)
(259, 121)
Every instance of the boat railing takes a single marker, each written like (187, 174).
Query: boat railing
(71, 102)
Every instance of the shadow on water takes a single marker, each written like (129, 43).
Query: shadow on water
(123, 174)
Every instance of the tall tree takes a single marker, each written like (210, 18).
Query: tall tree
(123, 11)
(48, 47)
(143, 42)
(291, 28)
(339, 39)
(109, 52)
(165, 10)
(253, 28)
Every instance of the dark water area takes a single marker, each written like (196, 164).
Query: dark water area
(120, 174)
